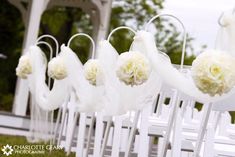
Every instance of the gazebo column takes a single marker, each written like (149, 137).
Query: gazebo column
(101, 24)
(31, 34)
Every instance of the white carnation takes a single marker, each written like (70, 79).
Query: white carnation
(93, 72)
(214, 73)
(24, 67)
(57, 69)
(133, 68)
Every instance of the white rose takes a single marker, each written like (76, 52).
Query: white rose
(133, 68)
(214, 73)
(57, 68)
(93, 72)
(24, 67)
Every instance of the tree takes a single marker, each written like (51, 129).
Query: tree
(124, 13)
(136, 14)
(11, 39)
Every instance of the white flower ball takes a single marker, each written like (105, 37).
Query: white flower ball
(24, 67)
(214, 72)
(133, 68)
(57, 69)
(93, 72)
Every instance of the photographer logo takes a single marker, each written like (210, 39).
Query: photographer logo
(7, 150)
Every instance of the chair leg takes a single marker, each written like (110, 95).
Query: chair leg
(144, 142)
(202, 130)
(117, 136)
(175, 105)
(98, 134)
(209, 143)
(57, 125)
(177, 137)
(81, 135)
(70, 141)
(51, 129)
(160, 146)
(108, 126)
(70, 124)
(132, 134)
(90, 131)
(62, 124)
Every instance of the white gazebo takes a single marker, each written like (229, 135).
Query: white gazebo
(99, 11)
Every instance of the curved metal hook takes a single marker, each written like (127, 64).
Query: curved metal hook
(220, 17)
(118, 28)
(219, 20)
(85, 35)
(48, 45)
(53, 38)
(184, 32)
(51, 55)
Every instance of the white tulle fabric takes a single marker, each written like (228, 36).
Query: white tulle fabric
(47, 99)
(121, 98)
(226, 41)
(169, 74)
(89, 98)
(226, 34)
(42, 99)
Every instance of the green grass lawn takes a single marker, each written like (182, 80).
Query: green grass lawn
(18, 140)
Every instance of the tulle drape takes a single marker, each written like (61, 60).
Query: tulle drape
(226, 35)
(121, 98)
(89, 98)
(40, 119)
(225, 41)
(47, 99)
(169, 74)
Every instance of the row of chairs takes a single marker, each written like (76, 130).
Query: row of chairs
(88, 135)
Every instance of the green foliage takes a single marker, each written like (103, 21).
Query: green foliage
(63, 22)
(135, 14)
(11, 39)
(6, 101)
